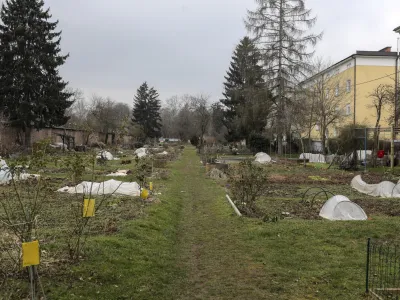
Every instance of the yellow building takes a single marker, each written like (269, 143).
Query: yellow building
(351, 81)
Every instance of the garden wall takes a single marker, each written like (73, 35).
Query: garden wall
(11, 137)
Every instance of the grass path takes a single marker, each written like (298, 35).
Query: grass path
(215, 259)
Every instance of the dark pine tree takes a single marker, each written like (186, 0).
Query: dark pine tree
(146, 111)
(32, 93)
(244, 84)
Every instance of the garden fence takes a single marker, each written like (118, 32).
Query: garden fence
(383, 270)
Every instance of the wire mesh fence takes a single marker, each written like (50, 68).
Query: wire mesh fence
(383, 270)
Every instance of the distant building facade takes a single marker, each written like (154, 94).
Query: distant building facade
(355, 78)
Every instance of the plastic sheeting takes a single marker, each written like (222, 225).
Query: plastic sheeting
(385, 189)
(361, 154)
(341, 208)
(104, 188)
(141, 152)
(263, 158)
(313, 158)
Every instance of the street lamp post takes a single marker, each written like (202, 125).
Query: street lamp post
(396, 97)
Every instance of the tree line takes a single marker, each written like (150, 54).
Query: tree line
(33, 95)
(262, 82)
(266, 88)
(276, 88)
(259, 85)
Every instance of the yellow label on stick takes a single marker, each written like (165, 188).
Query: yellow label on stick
(144, 194)
(30, 254)
(88, 208)
(151, 186)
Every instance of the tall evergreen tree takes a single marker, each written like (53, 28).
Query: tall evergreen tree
(32, 93)
(146, 111)
(281, 29)
(245, 97)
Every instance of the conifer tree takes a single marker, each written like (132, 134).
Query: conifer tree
(146, 111)
(281, 29)
(245, 96)
(32, 93)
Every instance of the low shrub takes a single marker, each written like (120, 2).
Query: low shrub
(138, 145)
(97, 145)
(160, 163)
(258, 143)
(247, 183)
(194, 140)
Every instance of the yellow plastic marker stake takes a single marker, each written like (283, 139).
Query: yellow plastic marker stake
(144, 194)
(88, 208)
(151, 186)
(30, 254)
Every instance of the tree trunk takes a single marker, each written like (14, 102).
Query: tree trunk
(28, 135)
(323, 140)
(375, 145)
(280, 144)
(302, 147)
(280, 78)
(328, 149)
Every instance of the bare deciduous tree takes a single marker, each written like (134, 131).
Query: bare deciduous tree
(202, 115)
(99, 115)
(169, 113)
(281, 29)
(382, 96)
(328, 99)
(301, 114)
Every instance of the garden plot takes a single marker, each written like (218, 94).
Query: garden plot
(61, 213)
(287, 183)
(284, 196)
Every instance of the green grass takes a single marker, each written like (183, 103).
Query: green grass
(192, 246)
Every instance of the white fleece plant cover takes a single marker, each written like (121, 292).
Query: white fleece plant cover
(385, 189)
(340, 208)
(106, 155)
(313, 158)
(163, 153)
(5, 175)
(60, 146)
(141, 152)
(119, 173)
(104, 188)
(263, 158)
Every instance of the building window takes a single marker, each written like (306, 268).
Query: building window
(348, 86)
(337, 90)
(348, 109)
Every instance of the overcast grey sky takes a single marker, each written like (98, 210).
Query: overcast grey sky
(185, 46)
